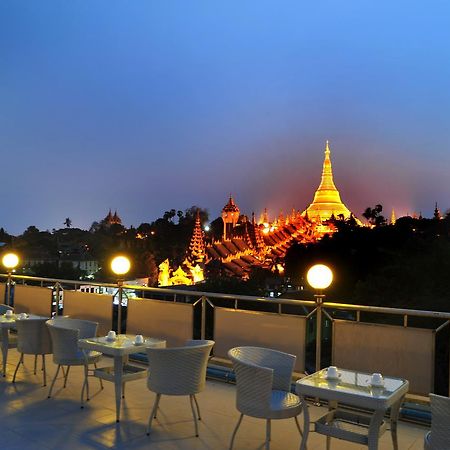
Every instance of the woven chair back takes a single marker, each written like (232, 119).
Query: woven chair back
(440, 420)
(179, 370)
(33, 337)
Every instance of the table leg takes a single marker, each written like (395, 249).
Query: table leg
(305, 423)
(5, 345)
(118, 374)
(395, 411)
(374, 429)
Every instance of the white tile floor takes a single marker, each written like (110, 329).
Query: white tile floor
(32, 421)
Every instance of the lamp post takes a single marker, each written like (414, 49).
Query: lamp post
(319, 277)
(10, 261)
(120, 265)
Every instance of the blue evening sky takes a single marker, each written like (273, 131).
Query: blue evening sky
(144, 106)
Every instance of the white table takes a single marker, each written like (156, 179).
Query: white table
(353, 389)
(119, 349)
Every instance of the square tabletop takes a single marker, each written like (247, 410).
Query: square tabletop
(354, 388)
(9, 321)
(123, 344)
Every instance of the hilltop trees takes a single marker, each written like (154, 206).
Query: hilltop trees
(374, 217)
(402, 265)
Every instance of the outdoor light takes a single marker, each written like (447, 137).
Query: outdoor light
(319, 276)
(10, 261)
(120, 265)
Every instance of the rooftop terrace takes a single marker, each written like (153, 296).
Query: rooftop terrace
(401, 343)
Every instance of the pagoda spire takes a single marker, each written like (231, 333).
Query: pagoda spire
(197, 243)
(327, 201)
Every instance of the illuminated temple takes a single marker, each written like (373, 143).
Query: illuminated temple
(246, 243)
(327, 202)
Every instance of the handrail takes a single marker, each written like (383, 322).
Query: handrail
(388, 310)
(170, 291)
(277, 301)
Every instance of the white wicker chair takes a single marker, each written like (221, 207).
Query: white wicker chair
(178, 371)
(263, 381)
(439, 436)
(33, 338)
(65, 333)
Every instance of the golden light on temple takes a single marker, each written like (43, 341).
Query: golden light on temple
(319, 276)
(327, 200)
(10, 261)
(120, 265)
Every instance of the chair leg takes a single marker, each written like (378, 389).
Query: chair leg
(123, 390)
(268, 437)
(198, 408)
(44, 371)
(66, 374)
(53, 382)
(85, 386)
(17, 367)
(235, 431)
(153, 413)
(35, 363)
(86, 375)
(101, 381)
(298, 426)
(193, 413)
(328, 442)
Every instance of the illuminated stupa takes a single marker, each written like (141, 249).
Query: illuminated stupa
(327, 201)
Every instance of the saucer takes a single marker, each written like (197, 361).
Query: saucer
(138, 343)
(377, 385)
(111, 339)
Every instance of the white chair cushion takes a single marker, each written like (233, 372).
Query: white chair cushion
(284, 405)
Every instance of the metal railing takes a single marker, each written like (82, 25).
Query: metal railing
(318, 313)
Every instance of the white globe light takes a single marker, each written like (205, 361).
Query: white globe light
(319, 276)
(10, 260)
(120, 265)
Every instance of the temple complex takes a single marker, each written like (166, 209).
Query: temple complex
(246, 243)
(327, 202)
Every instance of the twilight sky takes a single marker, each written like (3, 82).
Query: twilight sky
(144, 106)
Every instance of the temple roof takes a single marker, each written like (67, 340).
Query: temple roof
(230, 206)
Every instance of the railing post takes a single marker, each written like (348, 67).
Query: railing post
(203, 327)
(8, 291)
(119, 306)
(57, 293)
(319, 301)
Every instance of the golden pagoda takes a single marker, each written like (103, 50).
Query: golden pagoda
(327, 201)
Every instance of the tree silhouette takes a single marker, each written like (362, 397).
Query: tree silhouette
(374, 217)
(68, 222)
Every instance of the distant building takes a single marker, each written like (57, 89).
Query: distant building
(111, 219)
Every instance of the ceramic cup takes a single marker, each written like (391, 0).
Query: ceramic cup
(112, 335)
(376, 379)
(139, 339)
(8, 313)
(332, 372)
(22, 316)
